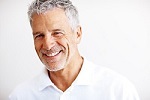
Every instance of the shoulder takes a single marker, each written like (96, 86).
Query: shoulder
(104, 73)
(111, 81)
(26, 88)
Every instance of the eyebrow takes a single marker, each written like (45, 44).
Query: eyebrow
(58, 30)
(35, 33)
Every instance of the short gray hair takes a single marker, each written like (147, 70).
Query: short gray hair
(41, 6)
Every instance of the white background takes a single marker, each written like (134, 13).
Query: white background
(116, 34)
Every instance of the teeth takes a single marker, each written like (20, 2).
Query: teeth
(52, 54)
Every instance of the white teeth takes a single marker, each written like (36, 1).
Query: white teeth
(52, 54)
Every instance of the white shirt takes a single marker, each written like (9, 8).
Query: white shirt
(93, 83)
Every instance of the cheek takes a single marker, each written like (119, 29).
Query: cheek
(70, 46)
(37, 46)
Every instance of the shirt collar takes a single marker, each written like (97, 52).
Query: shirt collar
(84, 77)
(44, 80)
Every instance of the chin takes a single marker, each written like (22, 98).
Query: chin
(54, 69)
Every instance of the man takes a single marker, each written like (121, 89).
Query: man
(68, 76)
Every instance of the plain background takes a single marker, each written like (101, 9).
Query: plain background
(116, 34)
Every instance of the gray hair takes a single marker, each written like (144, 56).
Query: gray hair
(41, 6)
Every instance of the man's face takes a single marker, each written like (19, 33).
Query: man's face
(55, 42)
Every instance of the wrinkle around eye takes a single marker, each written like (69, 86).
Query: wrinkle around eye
(57, 34)
(38, 35)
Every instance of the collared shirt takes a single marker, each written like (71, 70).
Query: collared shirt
(93, 83)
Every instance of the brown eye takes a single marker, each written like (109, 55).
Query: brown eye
(37, 36)
(57, 34)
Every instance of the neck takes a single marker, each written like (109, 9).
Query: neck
(65, 77)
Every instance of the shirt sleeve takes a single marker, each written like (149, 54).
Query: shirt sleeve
(129, 91)
(12, 97)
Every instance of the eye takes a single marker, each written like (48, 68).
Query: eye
(57, 33)
(38, 35)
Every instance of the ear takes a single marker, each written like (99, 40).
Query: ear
(79, 34)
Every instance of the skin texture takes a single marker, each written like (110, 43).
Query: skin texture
(56, 46)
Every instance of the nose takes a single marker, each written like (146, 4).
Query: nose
(48, 42)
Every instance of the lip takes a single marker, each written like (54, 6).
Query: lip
(52, 57)
(52, 54)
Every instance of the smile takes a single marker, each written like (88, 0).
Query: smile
(53, 54)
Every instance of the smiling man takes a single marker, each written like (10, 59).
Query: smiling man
(67, 75)
(56, 45)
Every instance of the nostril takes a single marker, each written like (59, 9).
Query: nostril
(48, 44)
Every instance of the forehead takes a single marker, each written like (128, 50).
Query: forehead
(50, 18)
